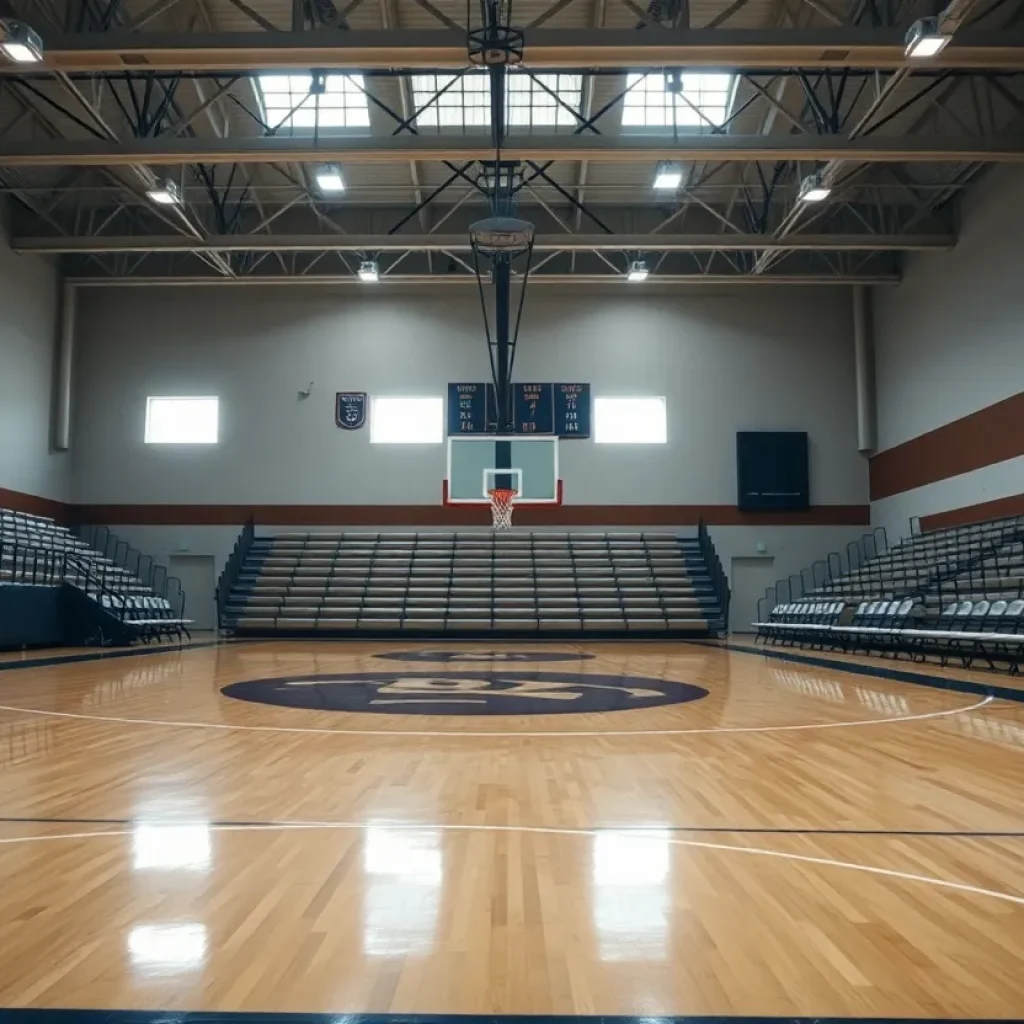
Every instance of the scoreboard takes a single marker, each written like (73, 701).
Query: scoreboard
(559, 409)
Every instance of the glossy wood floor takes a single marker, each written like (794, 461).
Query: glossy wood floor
(801, 841)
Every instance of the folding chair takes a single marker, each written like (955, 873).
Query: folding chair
(958, 624)
(866, 624)
(900, 613)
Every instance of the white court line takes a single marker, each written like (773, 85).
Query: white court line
(495, 734)
(696, 844)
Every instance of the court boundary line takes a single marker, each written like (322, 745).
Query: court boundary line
(876, 671)
(428, 733)
(723, 829)
(696, 844)
(43, 1015)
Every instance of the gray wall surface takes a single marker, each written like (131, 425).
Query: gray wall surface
(949, 338)
(773, 359)
(950, 341)
(28, 333)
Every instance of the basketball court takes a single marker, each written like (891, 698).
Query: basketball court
(511, 512)
(640, 830)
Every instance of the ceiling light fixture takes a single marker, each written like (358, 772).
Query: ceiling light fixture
(925, 39)
(329, 178)
(637, 271)
(369, 271)
(19, 43)
(668, 175)
(813, 189)
(164, 193)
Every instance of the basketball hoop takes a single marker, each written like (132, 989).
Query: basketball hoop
(501, 507)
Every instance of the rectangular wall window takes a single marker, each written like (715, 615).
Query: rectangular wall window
(630, 421)
(406, 420)
(182, 420)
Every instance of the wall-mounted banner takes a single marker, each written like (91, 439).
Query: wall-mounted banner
(350, 409)
(572, 410)
(559, 409)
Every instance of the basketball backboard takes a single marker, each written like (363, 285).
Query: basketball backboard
(527, 465)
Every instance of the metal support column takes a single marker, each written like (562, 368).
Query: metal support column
(864, 361)
(502, 273)
(65, 362)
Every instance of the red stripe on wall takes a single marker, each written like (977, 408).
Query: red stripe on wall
(428, 515)
(33, 505)
(999, 508)
(991, 435)
(465, 515)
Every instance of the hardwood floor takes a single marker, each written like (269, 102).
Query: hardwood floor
(798, 841)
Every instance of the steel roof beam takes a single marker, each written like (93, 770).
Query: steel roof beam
(460, 242)
(783, 49)
(466, 280)
(166, 151)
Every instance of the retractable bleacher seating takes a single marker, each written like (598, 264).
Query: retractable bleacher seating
(981, 560)
(473, 582)
(954, 593)
(34, 549)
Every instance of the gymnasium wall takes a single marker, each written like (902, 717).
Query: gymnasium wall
(775, 359)
(31, 477)
(950, 372)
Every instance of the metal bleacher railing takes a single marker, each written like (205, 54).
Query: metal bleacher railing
(152, 576)
(147, 604)
(233, 568)
(934, 566)
(985, 565)
(21, 563)
(719, 581)
(956, 592)
(860, 555)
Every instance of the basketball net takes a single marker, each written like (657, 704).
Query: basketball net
(501, 507)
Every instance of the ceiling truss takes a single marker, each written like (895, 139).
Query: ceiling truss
(132, 91)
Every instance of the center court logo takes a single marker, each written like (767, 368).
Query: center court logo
(483, 692)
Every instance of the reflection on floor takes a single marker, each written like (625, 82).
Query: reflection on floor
(803, 841)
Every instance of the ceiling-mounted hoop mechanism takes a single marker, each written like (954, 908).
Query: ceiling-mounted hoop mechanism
(501, 181)
(495, 41)
(501, 236)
